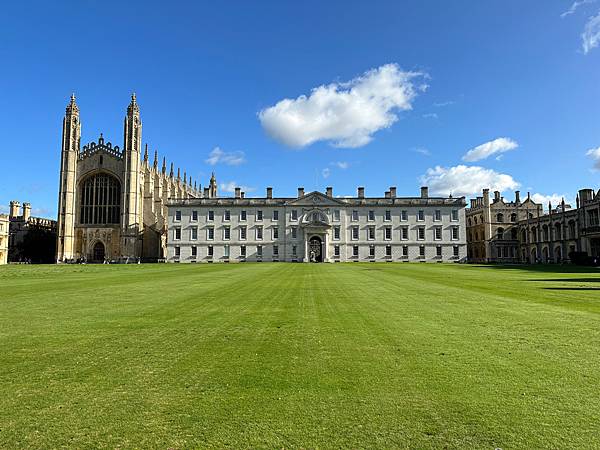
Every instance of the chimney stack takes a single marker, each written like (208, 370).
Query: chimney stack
(424, 192)
(243, 195)
(486, 197)
(300, 192)
(269, 192)
(517, 197)
(496, 196)
(361, 192)
(329, 191)
(14, 208)
(393, 191)
(26, 211)
(387, 194)
(206, 193)
(238, 192)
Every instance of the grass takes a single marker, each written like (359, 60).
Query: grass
(299, 356)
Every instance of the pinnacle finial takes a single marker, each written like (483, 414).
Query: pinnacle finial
(164, 166)
(171, 174)
(155, 159)
(178, 174)
(73, 97)
(72, 106)
(146, 153)
(133, 98)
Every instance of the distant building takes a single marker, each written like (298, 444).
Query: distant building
(518, 232)
(32, 239)
(317, 227)
(4, 227)
(493, 225)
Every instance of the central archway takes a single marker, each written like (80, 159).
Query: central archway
(98, 252)
(315, 249)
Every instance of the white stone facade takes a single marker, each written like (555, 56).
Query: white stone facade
(317, 227)
(4, 227)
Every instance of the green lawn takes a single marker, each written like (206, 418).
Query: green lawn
(299, 356)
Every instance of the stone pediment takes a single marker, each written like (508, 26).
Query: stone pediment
(93, 148)
(315, 198)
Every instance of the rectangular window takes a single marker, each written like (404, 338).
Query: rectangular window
(243, 251)
(455, 233)
(454, 216)
(243, 233)
(355, 216)
(421, 215)
(438, 251)
(355, 233)
(194, 251)
(259, 214)
(275, 233)
(195, 216)
(405, 233)
(371, 234)
(259, 251)
(388, 233)
(371, 250)
(178, 216)
(194, 233)
(294, 214)
(405, 250)
(336, 233)
(275, 250)
(211, 251)
(371, 216)
(275, 214)
(211, 215)
(404, 215)
(437, 215)
(226, 233)
(421, 233)
(388, 215)
(177, 233)
(336, 215)
(243, 215)
(294, 232)
(259, 233)
(388, 250)
(294, 250)
(227, 215)
(226, 251)
(456, 251)
(355, 250)
(210, 233)
(336, 250)
(421, 250)
(437, 233)
(177, 251)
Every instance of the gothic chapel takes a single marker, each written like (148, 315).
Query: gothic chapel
(112, 201)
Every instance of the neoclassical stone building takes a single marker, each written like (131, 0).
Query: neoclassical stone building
(317, 227)
(112, 201)
(4, 224)
(493, 225)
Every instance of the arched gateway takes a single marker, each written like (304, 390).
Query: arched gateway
(98, 252)
(315, 249)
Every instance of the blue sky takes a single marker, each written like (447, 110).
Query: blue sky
(396, 93)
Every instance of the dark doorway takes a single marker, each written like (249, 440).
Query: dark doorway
(98, 252)
(315, 249)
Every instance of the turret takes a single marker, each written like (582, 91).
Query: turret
(26, 211)
(15, 206)
(71, 141)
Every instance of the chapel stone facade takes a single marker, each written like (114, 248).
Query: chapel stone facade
(112, 201)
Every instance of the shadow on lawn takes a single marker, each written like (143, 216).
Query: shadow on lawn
(572, 288)
(568, 280)
(542, 268)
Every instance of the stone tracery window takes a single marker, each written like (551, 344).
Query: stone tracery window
(100, 203)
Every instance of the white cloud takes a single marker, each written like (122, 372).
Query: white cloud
(466, 180)
(229, 186)
(422, 150)
(490, 148)
(555, 199)
(430, 116)
(576, 4)
(341, 164)
(591, 34)
(442, 104)
(345, 114)
(326, 172)
(217, 155)
(594, 153)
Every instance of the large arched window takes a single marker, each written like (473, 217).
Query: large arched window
(100, 200)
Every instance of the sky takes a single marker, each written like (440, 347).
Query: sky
(456, 95)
